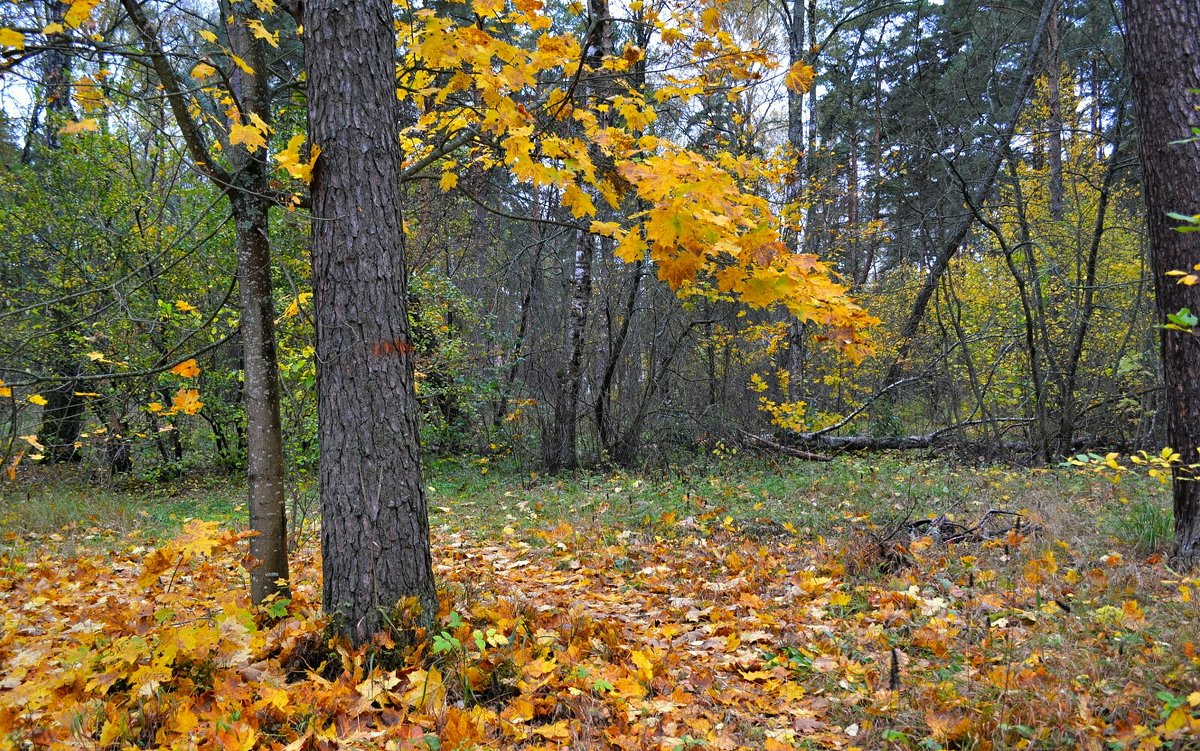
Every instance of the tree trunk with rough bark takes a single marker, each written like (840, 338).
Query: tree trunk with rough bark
(1164, 63)
(375, 528)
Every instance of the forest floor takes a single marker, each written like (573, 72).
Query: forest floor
(873, 602)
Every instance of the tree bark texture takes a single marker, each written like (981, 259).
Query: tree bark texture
(1164, 62)
(375, 528)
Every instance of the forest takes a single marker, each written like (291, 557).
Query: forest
(548, 374)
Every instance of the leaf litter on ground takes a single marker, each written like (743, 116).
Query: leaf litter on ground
(679, 633)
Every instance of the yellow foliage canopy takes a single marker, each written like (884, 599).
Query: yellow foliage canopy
(701, 221)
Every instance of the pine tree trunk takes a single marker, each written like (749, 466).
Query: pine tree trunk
(375, 528)
(604, 427)
(1164, 64)
(62, 418)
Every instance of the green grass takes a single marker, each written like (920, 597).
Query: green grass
(1145, 524)
(494, 497)
(846, 499)
(57, 506)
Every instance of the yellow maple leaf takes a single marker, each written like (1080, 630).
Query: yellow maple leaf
(260, 32)
(5, 390)
(245, 66)
(149, 678)
(154, 407)
(186, 401)
(800, 78)
(79, 126)
(558, 731)
(607, 229)
(247, 135)
(628, 688)
(377, 685)
(578, 202)
(187, 369)
(462, 729)
(11, 470)
(12, 38)
(520, 709)
(645, 669)
(32, 440)
(426, 691)
(632, 246)
(266, 6)
(1177, 720)
(199, 537)
(290, 159)
(154, 564)
(293, 308)
(259, 123)
(672, 35)
(240, 737)
(88, 94)
(79, 12)
(37, 399)
(183, 719)
(271, 696)
(485, 8)
(679, 269)
(208, 36)
(448, 182)
(202, 71)
(839, 599)
(53, 28)
(762, 288)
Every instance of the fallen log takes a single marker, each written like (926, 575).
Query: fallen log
(760, 441)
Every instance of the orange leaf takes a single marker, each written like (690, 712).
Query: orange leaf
(460, 730)
(800, 78)
(187, 369)
(186, 401)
